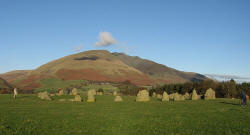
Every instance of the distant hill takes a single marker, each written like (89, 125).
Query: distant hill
(5, 87)
(158, 71)
(101, 66)
(14, 75)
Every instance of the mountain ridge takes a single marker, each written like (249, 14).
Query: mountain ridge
(103, 66)
(5, 87)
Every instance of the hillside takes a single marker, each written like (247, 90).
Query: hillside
(14, 75)
(101, 66)
(4, 86)
(158, 71)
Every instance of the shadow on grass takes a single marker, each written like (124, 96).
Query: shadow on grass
(230, 103)
(22, 96)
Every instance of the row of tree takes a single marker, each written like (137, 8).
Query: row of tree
(228, 89)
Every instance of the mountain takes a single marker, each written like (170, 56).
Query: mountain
(102, 66)
(4, 86)
(14, 75)
(158, 71)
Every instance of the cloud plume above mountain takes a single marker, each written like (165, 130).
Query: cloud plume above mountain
(77, 48)
(106, 39)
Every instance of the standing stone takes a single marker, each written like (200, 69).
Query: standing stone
(210, 94)
(44, 95)
(176, 97)
(154, 94)
(92, 91)
(194, 95)
(165, 96)
(115, 93)
(99, 93)
(159, 96)
(61, 92)
(91, 97)
(187, 96)
(182, 97)
(142, 96)
(74, 92)
(78, 98)
(171, 96)
(118, 99)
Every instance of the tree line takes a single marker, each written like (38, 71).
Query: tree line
(226, 89)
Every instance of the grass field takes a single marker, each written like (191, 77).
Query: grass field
(52, 84)
(28, 115)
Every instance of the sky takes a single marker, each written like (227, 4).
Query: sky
(204, 36)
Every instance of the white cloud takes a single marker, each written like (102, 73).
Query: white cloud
(106, 39)
(238, 79)
(77, 48)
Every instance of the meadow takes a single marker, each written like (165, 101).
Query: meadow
(28, 115)
(52, 84)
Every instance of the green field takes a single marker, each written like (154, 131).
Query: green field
(28, 115)
(53, 84)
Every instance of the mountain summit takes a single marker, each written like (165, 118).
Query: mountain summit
(103, 66)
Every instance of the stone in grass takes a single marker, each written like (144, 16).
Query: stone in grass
(165, 97)
(142, 96)
(74, 92)
(182, 97)
(154, 94)
(115, 93)
(171, 96)
(92, 92)
(44, 95)
(187, 96)
(91, 97)
(78, 98)
(210, 94)
(118, 99)
(61, 92)
(194, 95)
(99, 93)
(159, 96)
(176, 97)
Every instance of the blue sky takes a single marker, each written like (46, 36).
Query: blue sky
(204, 36)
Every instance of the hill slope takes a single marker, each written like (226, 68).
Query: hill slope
(14, 75)
(103, 66)
(4, 86)
(158, 71)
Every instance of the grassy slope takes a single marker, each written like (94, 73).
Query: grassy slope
(4, 84)
(105, 62)
(159, 71)
(14, 75)
(106, 67)
(100, 65)
(30, 116)
(53, 83)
